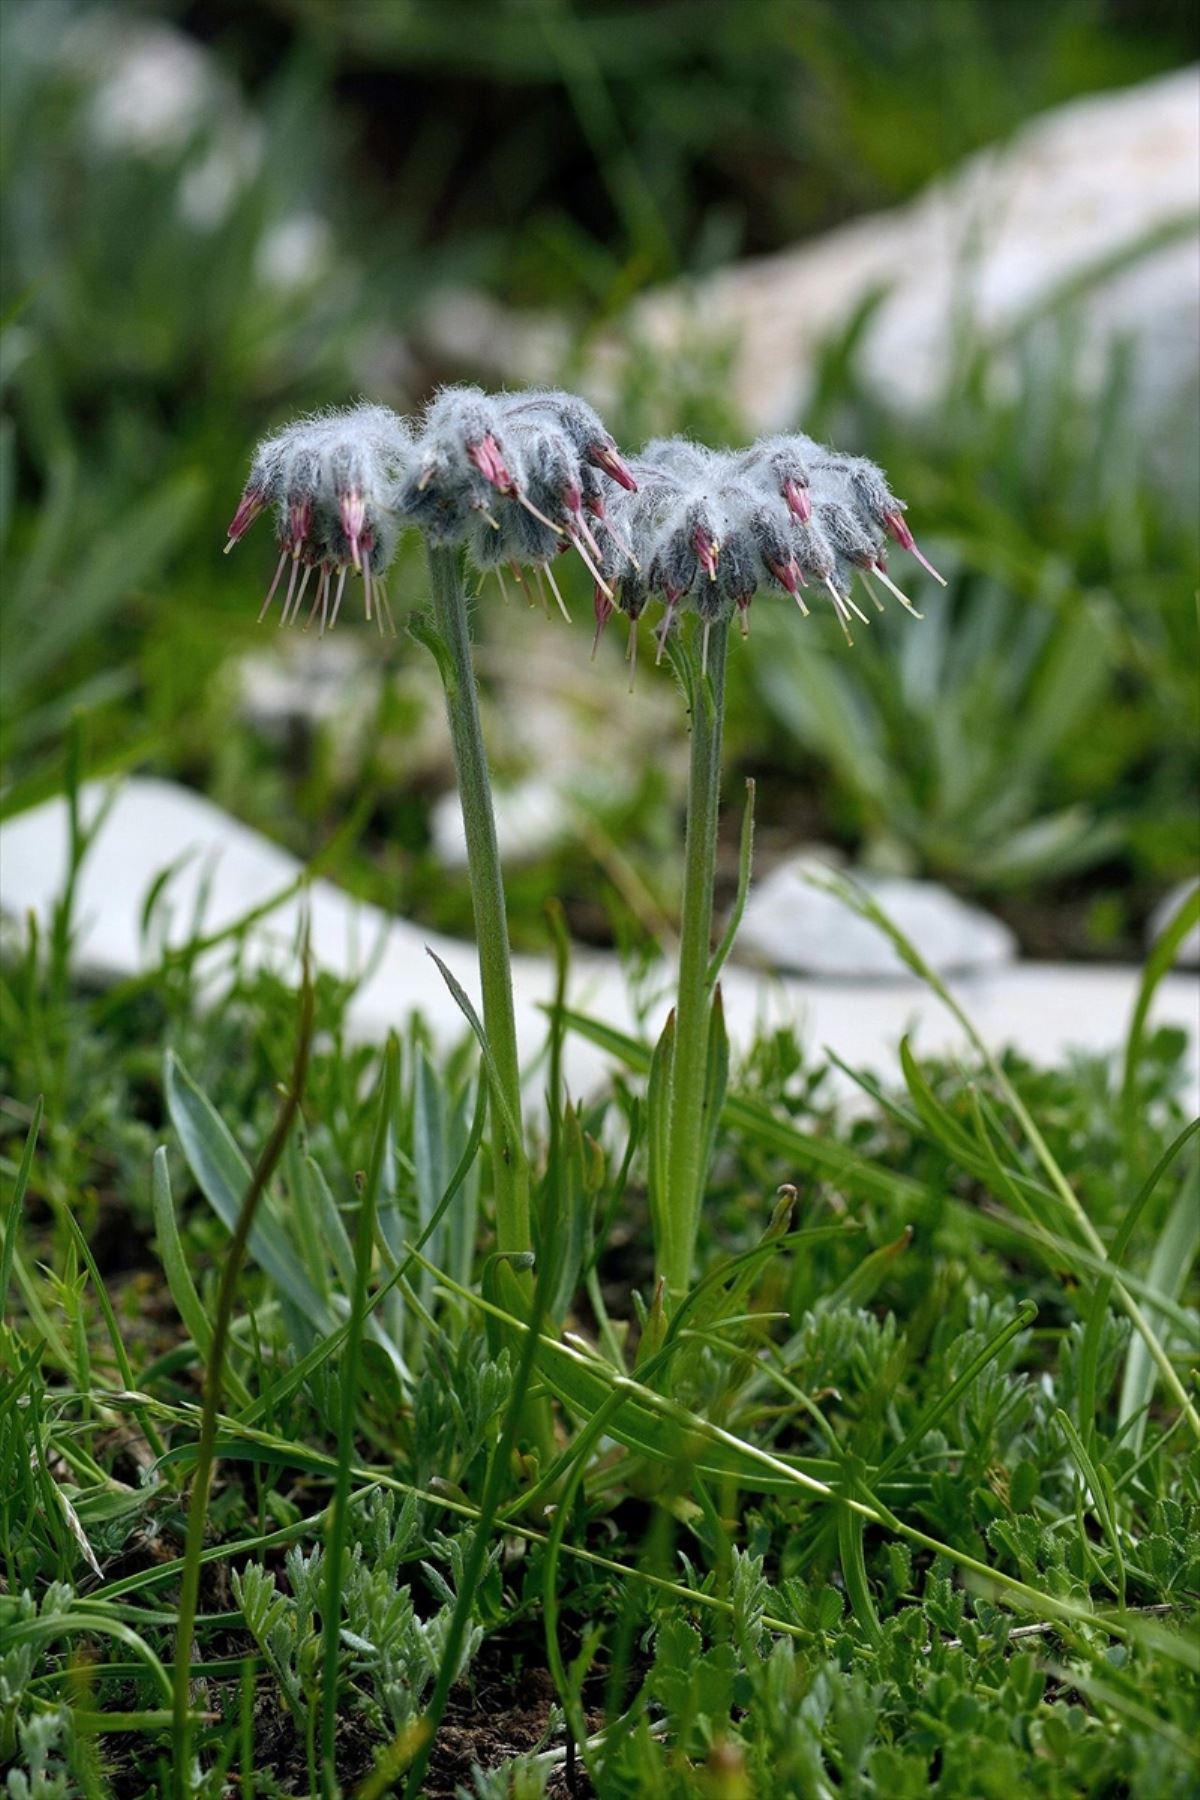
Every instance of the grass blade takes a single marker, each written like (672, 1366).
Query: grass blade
(339, 1508)
(213, 1379)
(12, 1216)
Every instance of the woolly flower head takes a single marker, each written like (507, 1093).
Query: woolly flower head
(333, 480)
(705, 529)
(519, 478)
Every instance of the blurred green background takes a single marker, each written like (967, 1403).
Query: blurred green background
(215, 215)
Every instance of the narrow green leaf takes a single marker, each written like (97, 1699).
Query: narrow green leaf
(12, 1215)
(850, 1527)
(806, 1151)
(339, 1523)
(864, 1282)
(1098, 1495)
(333, 1228)
(933, 1415)
(179, 1278)
(1169, 1268)
(1158, 964)
(1098, 1310)
(223, 1176)
(496, 1086)
(571, 1225)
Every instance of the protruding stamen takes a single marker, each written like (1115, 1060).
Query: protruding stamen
(704, 647)
(799, 599)
(483, 512)
(319, 600)
(271, 590)
(562, 605)
(904, 600)
(870, 587)
(291, 588)
(743, 607)
(499, 574)
(580, 525)
(337, 599)
(383, 605)
(295, 613)
(524, 500)
(896, 526)
(842, 611)
(588, 564)
(839, 605)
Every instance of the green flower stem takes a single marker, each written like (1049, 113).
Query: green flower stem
(510, 1170)
(687, 1136)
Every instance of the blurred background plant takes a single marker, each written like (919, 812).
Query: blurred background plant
(214, 215)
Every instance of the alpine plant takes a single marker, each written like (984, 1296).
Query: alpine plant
(520, 478)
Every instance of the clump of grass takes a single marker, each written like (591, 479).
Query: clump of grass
(872, 1346)
(879, 1473)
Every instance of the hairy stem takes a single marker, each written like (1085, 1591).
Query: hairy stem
(687, 1135)
(510, 1173)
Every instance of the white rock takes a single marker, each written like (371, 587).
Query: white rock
(568, 746)
(295, 251)
(1188, 954)
(996, 240)
(152, 826)
(531, 818)
(221, 871)
(300, 679)
(154, 86)
(790, 923)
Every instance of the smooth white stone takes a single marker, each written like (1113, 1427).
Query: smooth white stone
(1054, 209)
(308, 679)
(221, 869)
(531, 817)
(792, 924)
